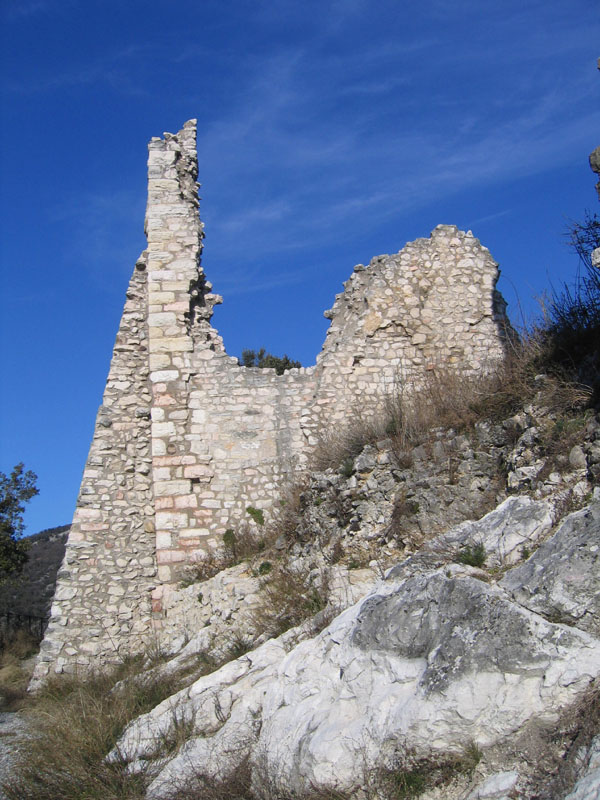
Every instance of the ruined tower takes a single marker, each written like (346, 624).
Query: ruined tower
(186, 439)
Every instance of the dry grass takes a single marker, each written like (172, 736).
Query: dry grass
(74, 723)
(239, 544)
(239, 785)
(451, 399)
(14, 675)
(409, 777)
(289, 597)
(337, 448)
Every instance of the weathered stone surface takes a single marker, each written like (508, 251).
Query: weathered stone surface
(428, 663)
(497, 787)
(186, 439)
(595, 166)
(561, 580)
(115, 502)
(588, 785)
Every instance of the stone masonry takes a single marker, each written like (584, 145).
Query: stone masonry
(186, 439)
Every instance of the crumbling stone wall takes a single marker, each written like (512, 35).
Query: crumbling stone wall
(102, 599)
(433, 304)
(222, 436)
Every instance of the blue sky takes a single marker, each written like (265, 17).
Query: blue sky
(328, 132)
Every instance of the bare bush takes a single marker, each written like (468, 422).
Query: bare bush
(75, 722)
(289, 597)
(447, 398)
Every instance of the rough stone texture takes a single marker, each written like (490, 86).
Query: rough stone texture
(497, 787)
(588, 785)
(224, 437)
(102, 604)
(13, 728)
(595, 166)
(432, 304)
(425, 664)
(561, 580)
(207, 620)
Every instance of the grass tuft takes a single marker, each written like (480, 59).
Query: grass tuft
(74, 722)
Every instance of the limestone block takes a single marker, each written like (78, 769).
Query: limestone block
(171, 344)
(170, 520)
(163, 540)
(164, 376)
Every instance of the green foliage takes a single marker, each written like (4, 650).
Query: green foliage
(229, 541)
(470, 759)
(15, 490)
(472, 555)
(256, 514)
(404, 783)
(289, 596)
(265, 568)
(262, 359)
(347, 468)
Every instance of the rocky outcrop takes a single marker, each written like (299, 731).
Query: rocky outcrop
(560, 580)
(587, 786)
(439, 656)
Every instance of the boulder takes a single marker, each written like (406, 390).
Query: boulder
(561, 580)
(426, 663)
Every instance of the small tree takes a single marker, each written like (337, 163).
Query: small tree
(584, 238)
(572, 332)
(15, 490)
(262, 359)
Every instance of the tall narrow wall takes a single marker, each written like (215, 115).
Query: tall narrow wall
(187, 439)
(102, 605)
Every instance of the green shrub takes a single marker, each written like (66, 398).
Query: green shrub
(399, 784)
(257, 515)
(262, 359)
(229, 541)
(347, 468)
(472, 555)
(289, 597)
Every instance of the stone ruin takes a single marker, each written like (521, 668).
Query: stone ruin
(186, 439)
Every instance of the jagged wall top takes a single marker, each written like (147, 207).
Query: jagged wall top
(175, 241)
(187, 439)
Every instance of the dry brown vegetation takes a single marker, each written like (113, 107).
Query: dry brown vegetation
(239, 544)
(450, 399)
(73, 723)
(14, 676)
(289, 597)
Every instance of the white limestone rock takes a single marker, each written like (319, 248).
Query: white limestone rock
(517, 523)
(428, 662)
(561, 580)
(432, 662)
(588, 785)
(496, 787)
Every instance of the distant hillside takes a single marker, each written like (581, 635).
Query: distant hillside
(32, 592)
